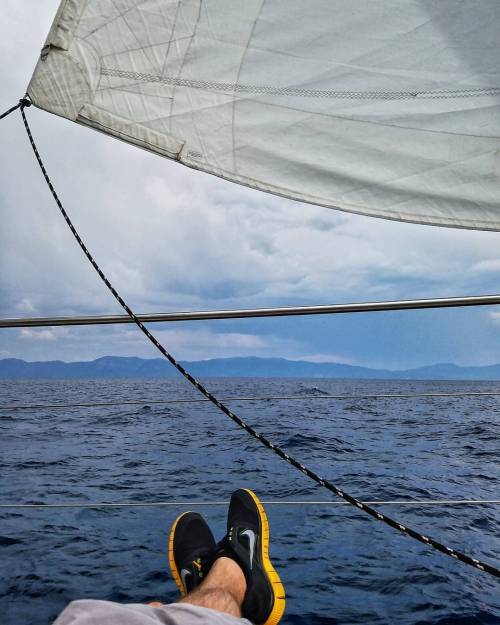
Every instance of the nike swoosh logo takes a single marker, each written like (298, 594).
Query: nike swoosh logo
(184, 574)
(251, 539)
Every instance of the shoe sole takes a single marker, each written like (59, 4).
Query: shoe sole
(277, 587)
(171, 560)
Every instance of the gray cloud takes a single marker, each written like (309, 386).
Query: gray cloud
(171, 238)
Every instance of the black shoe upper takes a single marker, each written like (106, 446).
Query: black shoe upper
(194, 546)
(243, 544)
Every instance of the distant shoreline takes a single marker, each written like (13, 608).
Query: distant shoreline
(122, 367)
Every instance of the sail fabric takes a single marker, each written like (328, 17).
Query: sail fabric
(388, 108)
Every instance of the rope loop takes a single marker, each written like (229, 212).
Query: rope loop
(11, 110)
(22, 104)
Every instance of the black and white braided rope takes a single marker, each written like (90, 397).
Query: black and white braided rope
(407, 531)
(23, 102)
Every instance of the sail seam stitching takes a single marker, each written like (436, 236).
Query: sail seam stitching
(300, 91)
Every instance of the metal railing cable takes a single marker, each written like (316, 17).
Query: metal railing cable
(407, 531)
(276, 502)
(252, 313)
(197, 400)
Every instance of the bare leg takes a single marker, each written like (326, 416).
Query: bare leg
(222, 590)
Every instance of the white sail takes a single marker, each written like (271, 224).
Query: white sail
(389, 108)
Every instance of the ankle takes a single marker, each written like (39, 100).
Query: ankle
(226, 573)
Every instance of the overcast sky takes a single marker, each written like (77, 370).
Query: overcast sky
(175, 239)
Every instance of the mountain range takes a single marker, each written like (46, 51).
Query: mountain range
(130, 367)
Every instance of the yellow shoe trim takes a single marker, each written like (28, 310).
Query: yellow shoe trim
(278, 590)
(171, 560)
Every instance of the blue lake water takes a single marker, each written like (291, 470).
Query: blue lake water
(338, 565)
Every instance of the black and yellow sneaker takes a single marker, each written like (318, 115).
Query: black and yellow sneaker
(247, 543)
(191, 548)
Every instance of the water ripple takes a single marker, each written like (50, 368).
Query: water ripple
(338, 565)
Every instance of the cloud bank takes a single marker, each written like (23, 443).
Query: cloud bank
(175, 239)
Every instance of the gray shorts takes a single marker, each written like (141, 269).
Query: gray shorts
(93, 612)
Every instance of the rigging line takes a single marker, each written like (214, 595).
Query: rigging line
(407, 531)
(196, 400)
(253, 313)
(153, 504)
(20, 104)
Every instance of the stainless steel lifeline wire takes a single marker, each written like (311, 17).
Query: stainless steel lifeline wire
(252, 313)
(276, 502)
(407, 531)
(196, 400)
